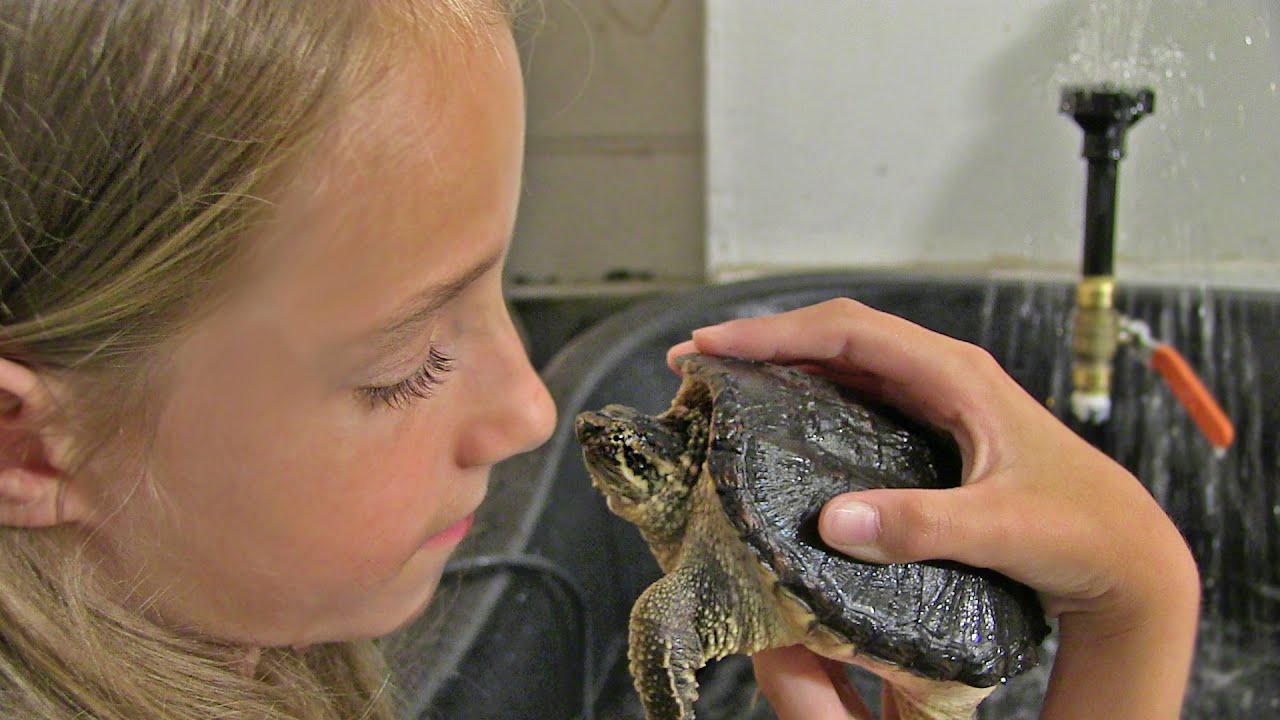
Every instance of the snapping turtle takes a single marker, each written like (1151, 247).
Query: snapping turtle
(726, 487)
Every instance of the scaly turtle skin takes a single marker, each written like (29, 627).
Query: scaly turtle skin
(726, 487)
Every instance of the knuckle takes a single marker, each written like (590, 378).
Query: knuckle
(842, 305)
(923, 531)
(978, 359)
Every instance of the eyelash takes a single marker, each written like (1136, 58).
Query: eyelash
(419, 385)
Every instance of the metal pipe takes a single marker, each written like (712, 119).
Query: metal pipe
(1100, 219)
(1105, 113)
(1095, 333)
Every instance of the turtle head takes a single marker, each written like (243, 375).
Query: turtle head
(644, 465)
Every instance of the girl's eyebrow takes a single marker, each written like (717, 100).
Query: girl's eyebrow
(419, 308)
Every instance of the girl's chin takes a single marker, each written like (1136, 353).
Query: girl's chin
(396, 608)
(415, 602)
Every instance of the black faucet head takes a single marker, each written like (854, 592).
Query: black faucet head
(1106, 112)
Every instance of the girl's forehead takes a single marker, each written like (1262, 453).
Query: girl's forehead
(418, 179)
(421, 134)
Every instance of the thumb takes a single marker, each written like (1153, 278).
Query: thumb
(899, 526)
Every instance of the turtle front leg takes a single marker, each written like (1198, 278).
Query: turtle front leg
(665, 648)
(701, 611)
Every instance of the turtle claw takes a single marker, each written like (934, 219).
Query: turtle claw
(666, 695)
(665, 652)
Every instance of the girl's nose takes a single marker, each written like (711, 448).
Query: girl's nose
(513, 411)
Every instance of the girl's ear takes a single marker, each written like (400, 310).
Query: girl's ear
(34, 488)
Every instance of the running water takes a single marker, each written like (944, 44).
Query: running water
(1227, 507)
(1110, 47)
(1193, 171)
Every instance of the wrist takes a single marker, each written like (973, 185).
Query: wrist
(1130, 657)
(1141, 672)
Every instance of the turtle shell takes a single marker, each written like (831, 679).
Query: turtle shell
(782, 443)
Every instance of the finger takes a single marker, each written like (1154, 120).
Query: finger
(899, 526)
(857, 380)
(801, 686)
(678, 350)
(946, 382)
(1056, 542)
(829, 331)
(838, 674)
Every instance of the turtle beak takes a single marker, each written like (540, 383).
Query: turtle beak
(605, 437)
(594, 427)
(589, 426)
(596, 433)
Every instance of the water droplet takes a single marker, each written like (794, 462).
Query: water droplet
(1213, 54)
(1248, 40)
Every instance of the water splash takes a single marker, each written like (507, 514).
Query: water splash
(1109, 46)
(1212, 66)
(1227, 507)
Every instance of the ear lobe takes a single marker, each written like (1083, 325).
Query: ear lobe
(34, 489)
(29, 499)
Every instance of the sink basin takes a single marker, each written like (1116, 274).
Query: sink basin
(531, 622)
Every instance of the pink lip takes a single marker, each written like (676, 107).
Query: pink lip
(451, 535)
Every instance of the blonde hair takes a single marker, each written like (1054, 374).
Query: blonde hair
(140, 141)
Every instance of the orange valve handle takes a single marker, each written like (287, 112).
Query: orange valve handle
(1194, 396)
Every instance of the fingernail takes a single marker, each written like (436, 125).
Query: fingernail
(850, 524)
(708, 330)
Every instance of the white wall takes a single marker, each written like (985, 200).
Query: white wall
(614, 162)
(926, 133)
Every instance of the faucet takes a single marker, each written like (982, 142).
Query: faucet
(1105, 113)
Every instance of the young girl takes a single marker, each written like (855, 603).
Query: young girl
(255, 366)
(256, 363)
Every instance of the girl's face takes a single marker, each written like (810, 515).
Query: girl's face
(327, 435)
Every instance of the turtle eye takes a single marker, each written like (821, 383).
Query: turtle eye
(637, 463)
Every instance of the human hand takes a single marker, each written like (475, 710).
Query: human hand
(1037, 503)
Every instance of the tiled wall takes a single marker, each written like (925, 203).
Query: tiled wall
(613, 170)
(904, 133)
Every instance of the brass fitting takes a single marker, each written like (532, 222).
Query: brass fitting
(1094, 337)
